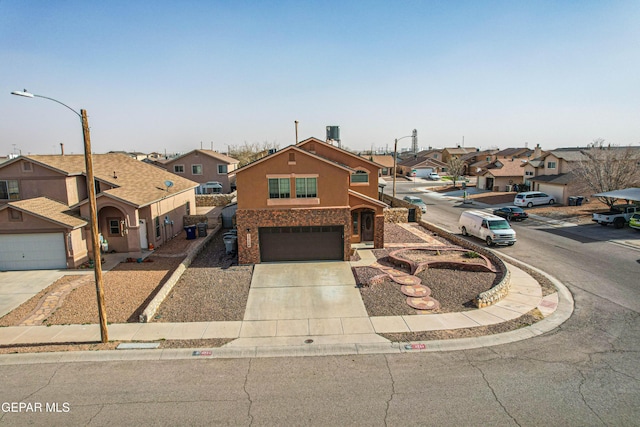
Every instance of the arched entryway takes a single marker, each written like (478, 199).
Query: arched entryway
(113, 227)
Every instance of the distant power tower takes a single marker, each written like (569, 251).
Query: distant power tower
(414, 142)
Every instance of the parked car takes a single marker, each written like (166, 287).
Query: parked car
(618, 216)
(634, 221)
(434, 176)
(416, 201)
(490, 228)
(511, 213)
(532, 198)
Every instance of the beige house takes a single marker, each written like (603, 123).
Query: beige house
(551, 173)
(203, 166)
(44, 210)
(501, 175)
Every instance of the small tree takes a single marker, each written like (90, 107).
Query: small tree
(607, 168)
(455, 169)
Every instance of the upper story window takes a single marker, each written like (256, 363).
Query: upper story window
(279, 188)
(528, 173)
(178, 168)
(9, 190)
(306, 187)
(15, 215)
(360, 176)
(222, 169)
(27, 167)
(196, 169)
(551, 165)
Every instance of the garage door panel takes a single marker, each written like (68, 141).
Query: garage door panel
(41, 251)
(301, 243)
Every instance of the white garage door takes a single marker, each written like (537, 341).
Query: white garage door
(43, 251)
(423, 172)
(554, 191)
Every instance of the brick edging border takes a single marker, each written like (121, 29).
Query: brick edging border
(497, 292)
(155, 303)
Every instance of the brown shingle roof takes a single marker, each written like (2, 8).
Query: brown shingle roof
(509, 168)
(49, 210)
(210, 153)
(135, 182)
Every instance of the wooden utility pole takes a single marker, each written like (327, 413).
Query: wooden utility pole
(93, 212)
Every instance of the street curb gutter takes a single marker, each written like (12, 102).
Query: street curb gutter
(155, 303)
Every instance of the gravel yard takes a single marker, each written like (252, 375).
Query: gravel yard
(211, 289)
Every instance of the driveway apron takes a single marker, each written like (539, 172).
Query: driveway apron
(303, 290)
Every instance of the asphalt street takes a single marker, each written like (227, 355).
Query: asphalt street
(584, 373)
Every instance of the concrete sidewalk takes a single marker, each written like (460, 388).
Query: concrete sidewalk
(267, 327)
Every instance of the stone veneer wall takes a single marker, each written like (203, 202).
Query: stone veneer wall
(194, 219)
(252, 220)
(396, 215)
(395, 203)
(497, 292)
(378, 232)
(214, 199)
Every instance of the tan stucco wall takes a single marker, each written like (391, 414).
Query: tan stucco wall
(253, 185)
(209, 169)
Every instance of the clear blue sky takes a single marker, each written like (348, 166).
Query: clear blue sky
(159, 75)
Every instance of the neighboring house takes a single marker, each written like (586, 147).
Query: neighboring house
(309, 201)
(501, 175)
(203, 166)
(44, 208)
(551, 173)
(386, 161)
(459, 151)
(475, 163)
(422, 163)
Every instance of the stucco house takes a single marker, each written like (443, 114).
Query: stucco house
(501, 175)
(551, 173)
(44, 214)
(309, 201)
(203, 166)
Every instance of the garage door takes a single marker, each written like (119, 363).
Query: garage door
(301, 243)
(43, 251)
(553, 191)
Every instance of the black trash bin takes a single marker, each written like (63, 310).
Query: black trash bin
(579, 201)
(573, 201)
(191, 232)
(202, 229)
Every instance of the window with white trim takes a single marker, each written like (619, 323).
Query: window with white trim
(196, 169)
(279, 188)
(551, 165)
(306, 187)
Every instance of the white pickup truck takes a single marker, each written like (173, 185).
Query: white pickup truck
(618, 216)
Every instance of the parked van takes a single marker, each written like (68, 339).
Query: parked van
(532, 198)
(490, 228)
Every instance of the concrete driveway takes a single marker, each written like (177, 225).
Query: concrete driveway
(16, 287)
(303, 290)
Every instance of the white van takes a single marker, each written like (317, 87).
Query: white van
(490, 228)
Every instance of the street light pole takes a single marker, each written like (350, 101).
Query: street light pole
(395, 159)
(102, 313)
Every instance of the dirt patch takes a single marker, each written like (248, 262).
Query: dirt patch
(576, 214)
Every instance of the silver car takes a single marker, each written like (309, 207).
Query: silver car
(416, 201)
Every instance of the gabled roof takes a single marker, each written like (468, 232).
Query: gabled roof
(296, 149)
(318, 141)
(367, 199)
(134, 182)
(386, 160)
(508, 168)
(560, 179)
(514, 152)
(411, 161)
(569, 154)
(48, 210)
(210, 153)
(460, 150)
(429, 162)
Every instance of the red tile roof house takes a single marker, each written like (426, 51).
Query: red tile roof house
(203, 166)
(44, 210)
(309, 201)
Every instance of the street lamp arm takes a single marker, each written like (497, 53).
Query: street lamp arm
(27, 94)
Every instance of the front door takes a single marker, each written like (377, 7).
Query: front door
(366, 227)
(144, 242)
